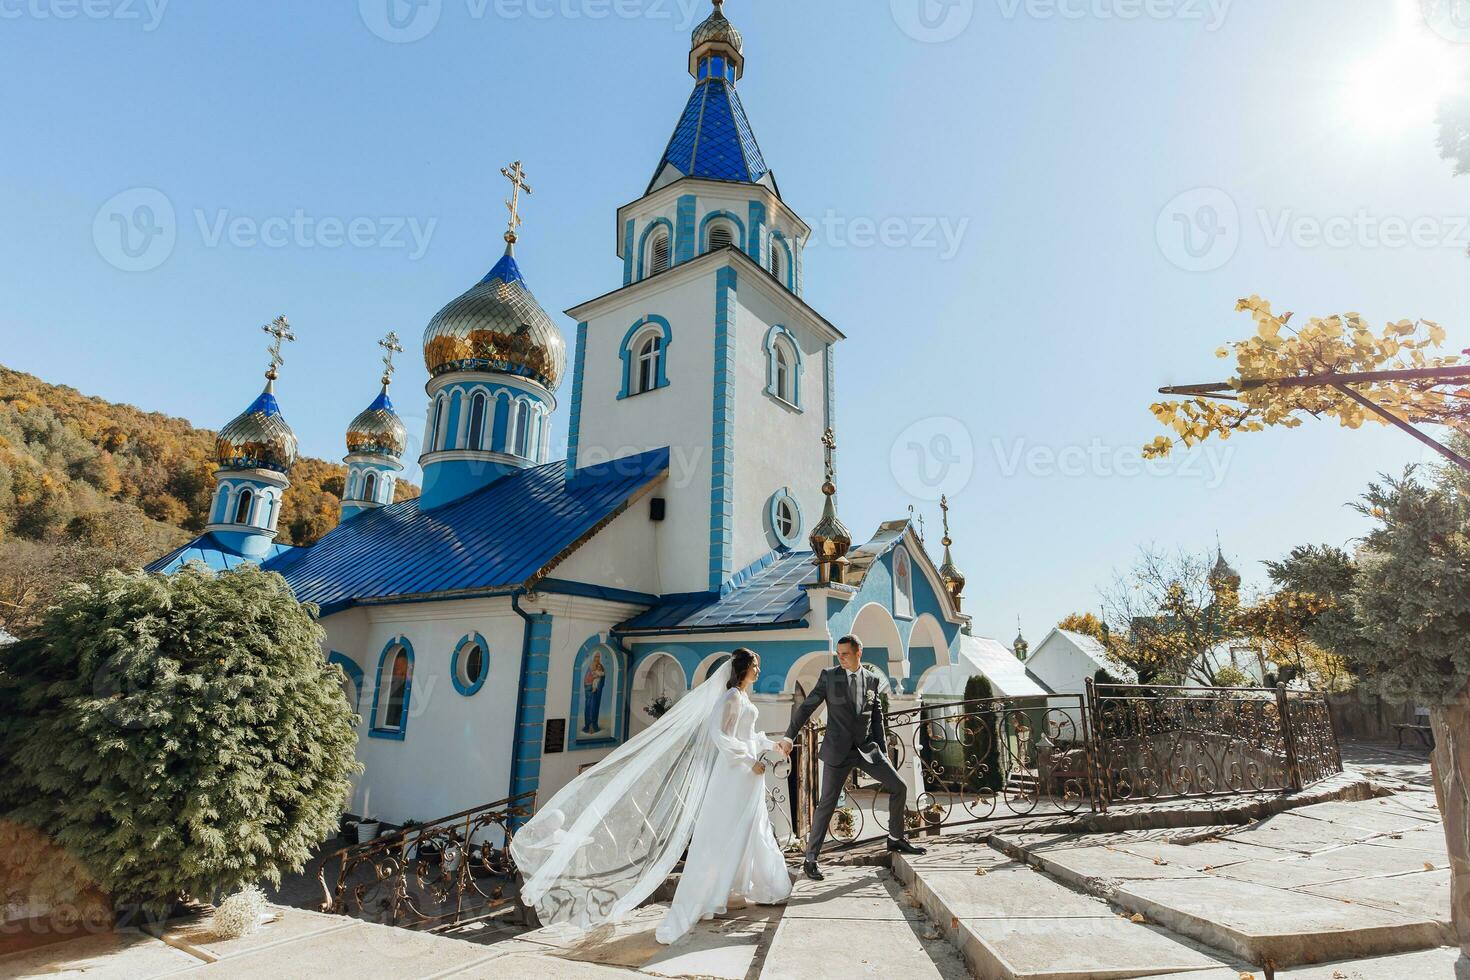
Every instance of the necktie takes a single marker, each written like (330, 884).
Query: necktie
(852, 691)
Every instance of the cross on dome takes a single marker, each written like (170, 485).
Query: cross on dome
(516, 174)
(280, 330)
(390, 347)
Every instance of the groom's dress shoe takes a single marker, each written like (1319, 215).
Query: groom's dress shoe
(813, 872)
(904, 847)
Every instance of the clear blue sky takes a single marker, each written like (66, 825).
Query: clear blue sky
(1053, 133)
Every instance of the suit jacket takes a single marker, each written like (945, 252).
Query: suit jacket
(852, 731)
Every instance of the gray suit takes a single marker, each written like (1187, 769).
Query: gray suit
(853, 741)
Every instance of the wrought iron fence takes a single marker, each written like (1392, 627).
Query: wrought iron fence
(967, 762)
(433, 876)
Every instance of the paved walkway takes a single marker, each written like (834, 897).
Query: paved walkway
(1331, 891)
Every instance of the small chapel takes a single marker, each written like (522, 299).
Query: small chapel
(527, 614)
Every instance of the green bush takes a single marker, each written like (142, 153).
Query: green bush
(178, 736)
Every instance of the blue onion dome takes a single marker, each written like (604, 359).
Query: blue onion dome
(378, 431)
(497, 326)
(718, 29)
(258, 438)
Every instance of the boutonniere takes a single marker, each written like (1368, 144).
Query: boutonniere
(871, 701)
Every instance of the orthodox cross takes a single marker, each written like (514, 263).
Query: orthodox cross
(280, 330)
(944, 510)
(390, 347)
(517, 177)
(829, 442)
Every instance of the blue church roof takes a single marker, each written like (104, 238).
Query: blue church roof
(714, 138)
(770, 597)
(498, 538)
(208, 549)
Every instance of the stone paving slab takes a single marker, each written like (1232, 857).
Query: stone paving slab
(523, 967)
(723, 948)
(1018, 925)
(962, 857)
(1429, 841)
(1425, 895)
(1260, 924)
(125, 955)
(850, 893)
(1432, 964)
(1206, 855)
(196, 936)
(1372, 816)
(804, 949)
(360, 950)
(1082, 865)
(1290, 832)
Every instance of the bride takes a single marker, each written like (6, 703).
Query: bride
(605, 843)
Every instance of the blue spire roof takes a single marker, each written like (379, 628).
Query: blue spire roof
(714, 138)
(505, 270)
(382, 403)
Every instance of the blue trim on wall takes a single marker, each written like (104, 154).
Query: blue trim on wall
(400, 733)
(830, 369)
(628, 232)
(469, 690)
(627, 354)
(684, 243)
(525, 765)
(778, 331)
(756, 231)
(722, 461)
(574, 431)
(792, 540)
(710, 219)
(354, 674)
(654, 225)
(610, 703)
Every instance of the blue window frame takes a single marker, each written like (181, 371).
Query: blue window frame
(784, 514)
(470, 665)
(645, 356)
(783, 366)
(393, 690)
(353, 689)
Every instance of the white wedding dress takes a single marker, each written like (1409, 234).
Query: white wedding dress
(734, 851)
(603, 844)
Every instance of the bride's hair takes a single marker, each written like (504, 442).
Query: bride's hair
(740, 664)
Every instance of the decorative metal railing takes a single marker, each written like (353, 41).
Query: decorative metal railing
(432, 876)
(972, 761)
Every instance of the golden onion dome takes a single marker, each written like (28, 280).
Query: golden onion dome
(951, 576)
(258, 438)
(378, 431)
(497, 326)
(830, 539)
(718, 29)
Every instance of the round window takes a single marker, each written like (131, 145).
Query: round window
(785, 519)
(471, 665)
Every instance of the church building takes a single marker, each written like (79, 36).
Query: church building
(527, 614)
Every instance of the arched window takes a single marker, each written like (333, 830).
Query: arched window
(903, 584)
(394, 688)
(523, 429)
(648, 358)
(477, 421)
(243, 505)
(370, 487)
(351, 680)
(439, 435)
(274, 514)
(645, 356)
(720, 236)
(783, 368)
(661, 255)
(776, 262)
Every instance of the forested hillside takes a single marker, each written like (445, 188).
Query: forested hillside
(86, 484)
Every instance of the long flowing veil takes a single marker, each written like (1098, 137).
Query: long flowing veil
(612, 835)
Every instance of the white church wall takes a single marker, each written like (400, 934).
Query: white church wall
(1061, 665)
(455, 750)
(624, 555)
(777, 445)
(678, 416)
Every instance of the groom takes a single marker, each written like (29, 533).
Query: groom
(850, 690)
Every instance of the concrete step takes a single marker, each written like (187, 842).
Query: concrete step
(1012, 922)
